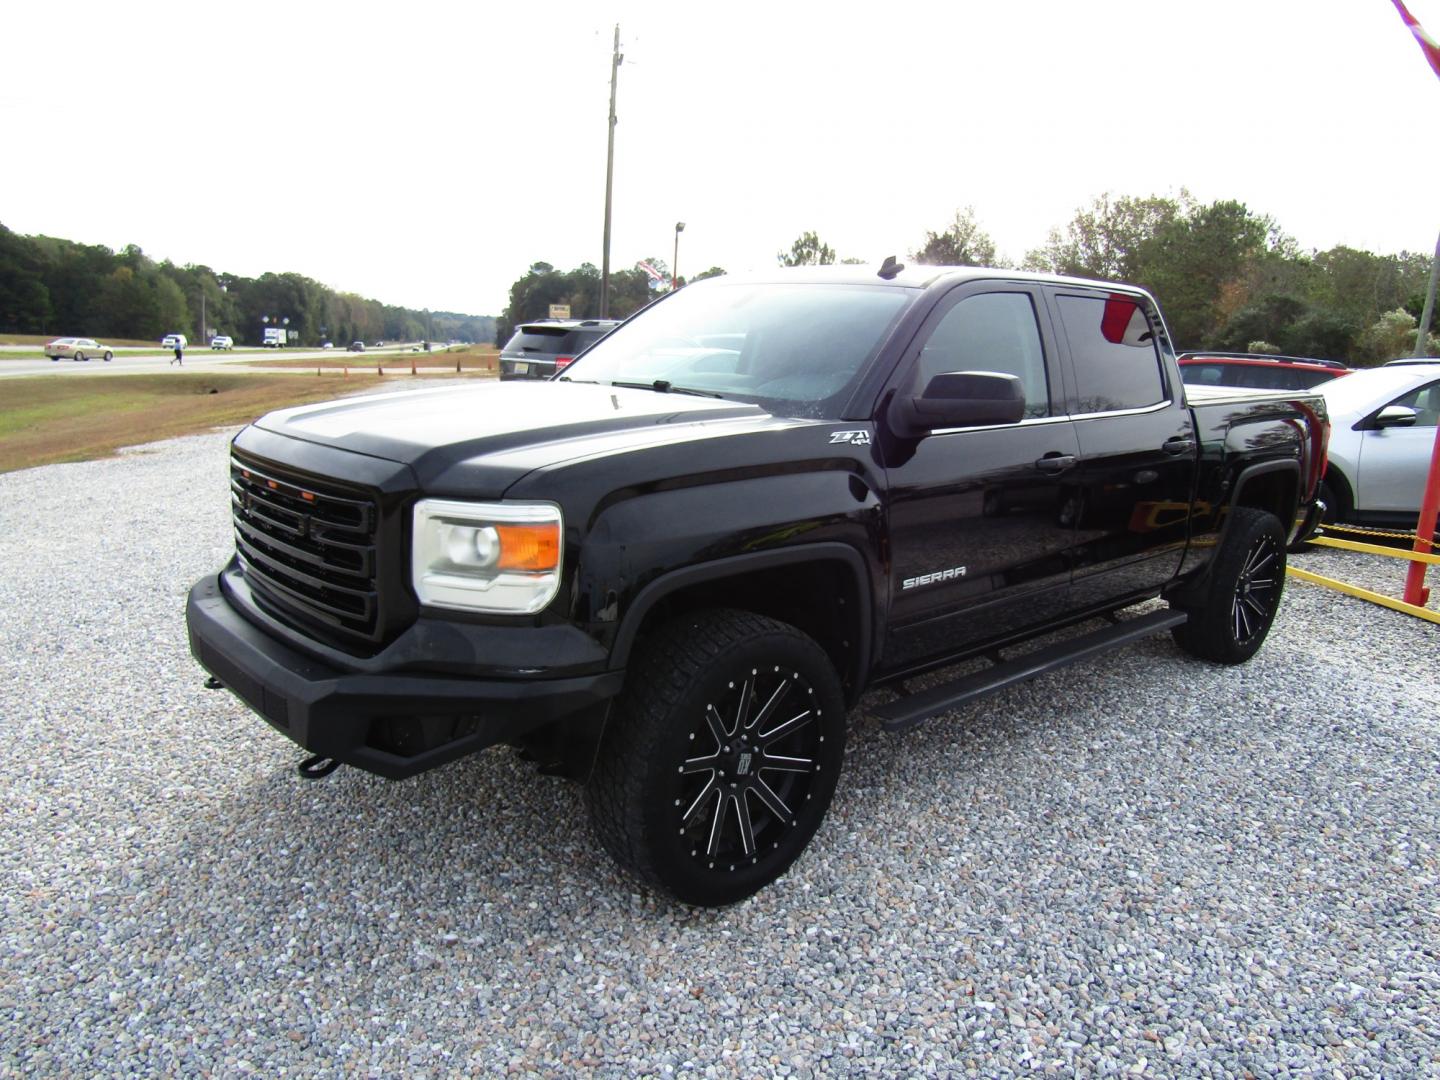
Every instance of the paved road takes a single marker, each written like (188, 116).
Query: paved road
(138, 361)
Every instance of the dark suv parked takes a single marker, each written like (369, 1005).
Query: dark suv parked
(538, 350)
(1258, 371)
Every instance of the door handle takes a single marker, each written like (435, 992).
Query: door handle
(1178, 445)
(1055, 463)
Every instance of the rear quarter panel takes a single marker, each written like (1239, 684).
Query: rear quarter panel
(1257, 448)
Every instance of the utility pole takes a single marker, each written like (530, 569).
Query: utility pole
(615, 59)
(202, 312)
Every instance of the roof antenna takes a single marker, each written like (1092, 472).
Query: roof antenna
(889, 268)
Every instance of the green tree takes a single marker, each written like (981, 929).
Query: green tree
(807, 250)
(24, 297)
(1364, 286)
(124, 306)
(1188, 261)
(1391, 337)
(172, 313)
(962, 243)
(1104, 239)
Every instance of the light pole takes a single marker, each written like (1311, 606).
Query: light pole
(675, 262)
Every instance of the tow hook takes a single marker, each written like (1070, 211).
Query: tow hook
(317, 767)
(212, 683)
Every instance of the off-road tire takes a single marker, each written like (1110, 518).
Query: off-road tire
(1233, 610)
(684, 759)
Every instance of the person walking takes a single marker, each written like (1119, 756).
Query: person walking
(179, 354)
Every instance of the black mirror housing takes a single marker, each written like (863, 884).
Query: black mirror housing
(955, 399)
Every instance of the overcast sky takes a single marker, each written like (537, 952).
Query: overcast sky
(426, 154)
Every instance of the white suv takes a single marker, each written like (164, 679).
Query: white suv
(174, 341)
(1382, 433)
(222, 341)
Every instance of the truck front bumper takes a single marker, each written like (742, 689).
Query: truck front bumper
(395, 724)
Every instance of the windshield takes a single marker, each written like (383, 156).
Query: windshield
(794, 350)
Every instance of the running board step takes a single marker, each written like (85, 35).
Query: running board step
(906, 712)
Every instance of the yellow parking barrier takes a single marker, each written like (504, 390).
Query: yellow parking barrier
(1376, 549)
(1390, 602)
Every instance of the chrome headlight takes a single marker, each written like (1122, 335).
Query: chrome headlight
(493, 557)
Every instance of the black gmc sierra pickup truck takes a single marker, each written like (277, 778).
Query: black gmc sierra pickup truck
(671, 572)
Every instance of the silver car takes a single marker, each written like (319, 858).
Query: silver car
(77, 348)
(1382, 434)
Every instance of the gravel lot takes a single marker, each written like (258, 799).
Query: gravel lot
(1150, 866)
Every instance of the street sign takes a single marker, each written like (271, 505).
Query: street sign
(559, 311)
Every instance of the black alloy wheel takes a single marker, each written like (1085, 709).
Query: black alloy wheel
(721, 758)
(759, 750)
(1257, 591)
(1233, 611)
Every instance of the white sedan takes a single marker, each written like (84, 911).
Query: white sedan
(1382, 434)
(77, 348)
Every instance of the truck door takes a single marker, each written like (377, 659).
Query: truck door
(980, 519)
(1137, 444)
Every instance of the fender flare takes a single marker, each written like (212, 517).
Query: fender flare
(1178, 591)
(1263, 468)
(737, 565)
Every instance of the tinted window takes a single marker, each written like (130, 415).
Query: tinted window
(544, 339)
(1255, 376)
(990, 332)
(1112, 345)
(581, 340)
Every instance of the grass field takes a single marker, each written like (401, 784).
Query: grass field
(47, 420)
(475, 358)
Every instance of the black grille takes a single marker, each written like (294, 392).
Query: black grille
(308, 550)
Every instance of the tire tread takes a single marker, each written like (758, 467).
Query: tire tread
(665, 664)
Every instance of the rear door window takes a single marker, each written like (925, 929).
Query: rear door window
(1114, 353)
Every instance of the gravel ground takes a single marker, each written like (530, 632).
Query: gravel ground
(1147, 866)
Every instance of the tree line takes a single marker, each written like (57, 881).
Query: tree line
(1226, 277)
(53, 286)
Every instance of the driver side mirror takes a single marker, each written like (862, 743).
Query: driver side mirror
(1395, 416)
(955, 399)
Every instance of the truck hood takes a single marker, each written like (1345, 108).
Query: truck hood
(494, 433)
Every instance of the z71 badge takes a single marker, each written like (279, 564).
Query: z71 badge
(854, 438)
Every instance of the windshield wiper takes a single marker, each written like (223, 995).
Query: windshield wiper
(664, 386)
